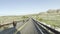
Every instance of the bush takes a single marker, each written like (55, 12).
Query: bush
(24, 17)
(40, 19)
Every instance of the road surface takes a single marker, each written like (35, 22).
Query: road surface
(27, 27)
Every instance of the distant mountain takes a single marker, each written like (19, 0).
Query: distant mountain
(53, 11)
(50, 17)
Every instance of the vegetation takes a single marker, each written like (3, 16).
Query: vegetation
(9, 19)
(51, 17)
(24, 17)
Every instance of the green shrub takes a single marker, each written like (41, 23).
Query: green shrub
(25, 17)
(40, 19)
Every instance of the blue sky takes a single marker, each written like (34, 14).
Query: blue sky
(23, 7)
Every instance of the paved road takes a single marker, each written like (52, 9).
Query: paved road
(28, 27)
(12, 29)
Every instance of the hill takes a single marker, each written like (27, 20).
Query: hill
(50, 17)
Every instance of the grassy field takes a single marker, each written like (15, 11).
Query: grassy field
(9, 19)
(50, 19)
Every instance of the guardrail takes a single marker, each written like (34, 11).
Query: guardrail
(5, 25)
(12, 23)
(51, 29)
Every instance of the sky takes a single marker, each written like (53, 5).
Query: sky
(24, 7)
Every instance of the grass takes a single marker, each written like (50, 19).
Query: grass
(53, 23)
(53, 20)
(8, 19)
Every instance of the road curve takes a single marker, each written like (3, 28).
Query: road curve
(28, 27)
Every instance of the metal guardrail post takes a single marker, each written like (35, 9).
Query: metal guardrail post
(51, 29)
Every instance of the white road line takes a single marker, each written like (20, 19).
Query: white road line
(21, 27)
(39, 29)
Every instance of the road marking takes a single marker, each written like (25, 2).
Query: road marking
(39, 29)
(21, 27)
